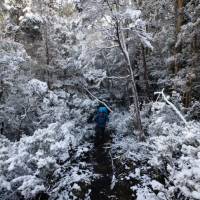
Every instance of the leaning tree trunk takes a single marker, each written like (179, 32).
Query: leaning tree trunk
(136, 103)
(123, 47)
(133, 85)
(147, 88)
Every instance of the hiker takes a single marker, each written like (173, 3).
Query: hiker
(2, 128)
(101, 120)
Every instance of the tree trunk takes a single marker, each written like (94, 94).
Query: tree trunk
(47, 47)
(134, 89)
(179, 12)
(145, 72)
(191, 76)
(136, 104)
(123, 47)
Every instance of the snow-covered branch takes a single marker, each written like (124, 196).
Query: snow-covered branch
(99, 100)
(113, 182)
(172, 106)
(118, 77)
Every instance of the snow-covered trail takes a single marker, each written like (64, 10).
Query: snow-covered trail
(103, 168)
(89, 174)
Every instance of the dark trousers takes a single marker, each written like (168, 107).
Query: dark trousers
(100, 135)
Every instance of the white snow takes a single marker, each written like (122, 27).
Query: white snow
(156, 185)
(36, 18)
(4, 184)
(133, 14)
(145, 194)
(37, 86)
(76, 187)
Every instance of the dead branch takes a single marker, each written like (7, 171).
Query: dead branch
(98, 99)
(172, 106)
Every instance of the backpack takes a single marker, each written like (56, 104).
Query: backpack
(103, 110)
(101, 119)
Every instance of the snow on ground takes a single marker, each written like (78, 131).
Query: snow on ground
(29, 165)
(167, 157)
(74, 178)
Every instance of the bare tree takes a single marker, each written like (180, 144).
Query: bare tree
(123, 46)
(119, 33)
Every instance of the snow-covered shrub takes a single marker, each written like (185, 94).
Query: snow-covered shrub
(95, 76)
(194, 111)
(120, 122)
(31, 18)
(169, 158)
(31, 23)
(29, 164)
(13, 59)
(186, 176)
(37, 86)
(14, 73)
(174, 150)
(72, 184)
(144, 193)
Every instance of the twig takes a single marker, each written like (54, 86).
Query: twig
(98, 100)
(118, 77)
(113, 176)
(172, 106)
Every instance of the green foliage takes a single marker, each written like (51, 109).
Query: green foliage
(1, 18)
(20, 3)
(68, 9)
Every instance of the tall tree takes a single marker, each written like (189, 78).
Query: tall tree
(121, 29)
(179, 13)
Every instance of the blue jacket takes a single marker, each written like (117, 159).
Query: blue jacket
(102, 117)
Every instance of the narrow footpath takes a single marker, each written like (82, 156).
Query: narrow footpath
(103, 169)
(96, 168)
(101, 188)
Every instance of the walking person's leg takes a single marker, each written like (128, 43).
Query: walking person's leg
(97, 135)
(102, 135)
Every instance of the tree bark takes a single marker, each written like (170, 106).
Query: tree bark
(47, 47)
(134, 89)
(145, 72)
(120, 39)
(179, 12)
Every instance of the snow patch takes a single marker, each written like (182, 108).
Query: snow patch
(37, 86)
